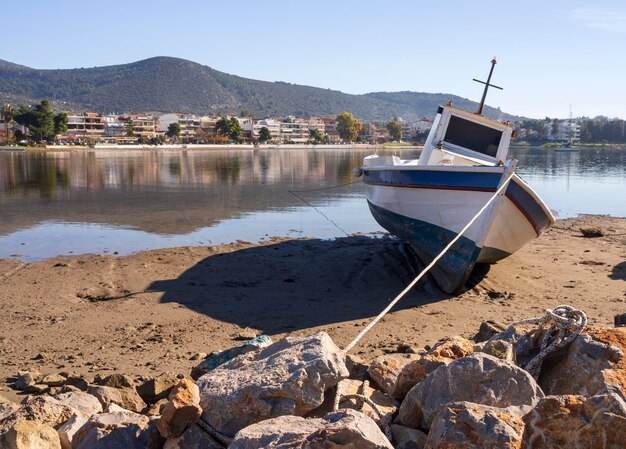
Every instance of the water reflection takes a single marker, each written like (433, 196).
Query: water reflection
(56, 202)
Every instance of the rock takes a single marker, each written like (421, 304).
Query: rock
(466, 425)
(68, 429)
(182, 411)
(42, 409)
(444, 352)
(157, 388)
(26, 379)
(124, 397)
(525, 338)
(199, 356)
(68, 389)
(576, 422)
(452, 348)
(246, 334)
(118, 381)
(38, 389)
(156, 408)
(591, 232)
(407, 438)
(193, 438)
(6, 408)
(215, 360)
(497, 348)
(80, 401)
(478, 378)
(357, 367)
(595, 363)
(30, 435)
(54, 380)
(487, 330)
(620, 320)
(118, 430)
(78, 382)
(384, 370)
(388, 407)
(347, 429)
(286, 378)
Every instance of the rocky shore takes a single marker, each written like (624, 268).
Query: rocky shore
(239, 346)
(458, 394)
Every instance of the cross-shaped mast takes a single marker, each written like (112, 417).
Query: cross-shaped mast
(487, 86)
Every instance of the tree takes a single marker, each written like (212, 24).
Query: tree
(264, 134)
(317, 136)
(60, 123)
(129, 128)
(348, 127)
(235, 130)
(173, 130)
(245, 112)
(40, 120)
(395, 129)
(7, 115)
(229, 127)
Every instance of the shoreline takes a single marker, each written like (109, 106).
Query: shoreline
(214, 147)
(151, 311)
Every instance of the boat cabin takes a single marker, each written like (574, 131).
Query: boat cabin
(459, 137)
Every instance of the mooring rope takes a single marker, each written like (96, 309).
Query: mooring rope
(566, 323)
(339, 392)
(425, 270)
(295, 193)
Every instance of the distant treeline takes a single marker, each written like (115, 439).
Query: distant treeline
(596, 130)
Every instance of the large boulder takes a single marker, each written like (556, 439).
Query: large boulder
(157, 388)
(68, 429)
(214, 360)
(576, 422)
(407, 438)
(80, 401)
(193, 438)
(286, 378)
(595, 363)
(41, 409)
(347, 429)
(466, 425)
(384, 370)
(124, 397)
(120, 429)
(444, 352)
(30, 435)
(478, 378)
(182, 411)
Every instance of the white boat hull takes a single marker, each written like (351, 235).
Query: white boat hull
(429, 205)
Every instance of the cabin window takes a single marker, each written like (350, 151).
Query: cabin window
(473, 136)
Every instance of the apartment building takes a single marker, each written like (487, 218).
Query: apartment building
(89, 125)
(143, 126)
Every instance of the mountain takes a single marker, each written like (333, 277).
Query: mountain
(165, 84)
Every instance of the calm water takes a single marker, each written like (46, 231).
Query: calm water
(68, 202)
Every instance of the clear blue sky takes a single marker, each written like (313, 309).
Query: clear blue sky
(550, 53)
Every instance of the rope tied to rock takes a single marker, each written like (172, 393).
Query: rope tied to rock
(565, 324)
(339, 393)
(384, 421)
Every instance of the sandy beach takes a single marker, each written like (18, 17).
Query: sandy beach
(152, 311)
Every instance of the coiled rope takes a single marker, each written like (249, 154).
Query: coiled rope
(565, 324)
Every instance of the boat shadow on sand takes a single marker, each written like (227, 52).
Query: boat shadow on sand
(299, 284)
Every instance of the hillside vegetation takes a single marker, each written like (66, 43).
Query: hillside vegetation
(164, 84)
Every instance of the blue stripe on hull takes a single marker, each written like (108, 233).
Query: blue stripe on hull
(434, 179)
(428, 240)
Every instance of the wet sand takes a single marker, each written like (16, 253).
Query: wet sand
(152, 311)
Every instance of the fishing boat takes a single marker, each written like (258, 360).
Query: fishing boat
(428, 201)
